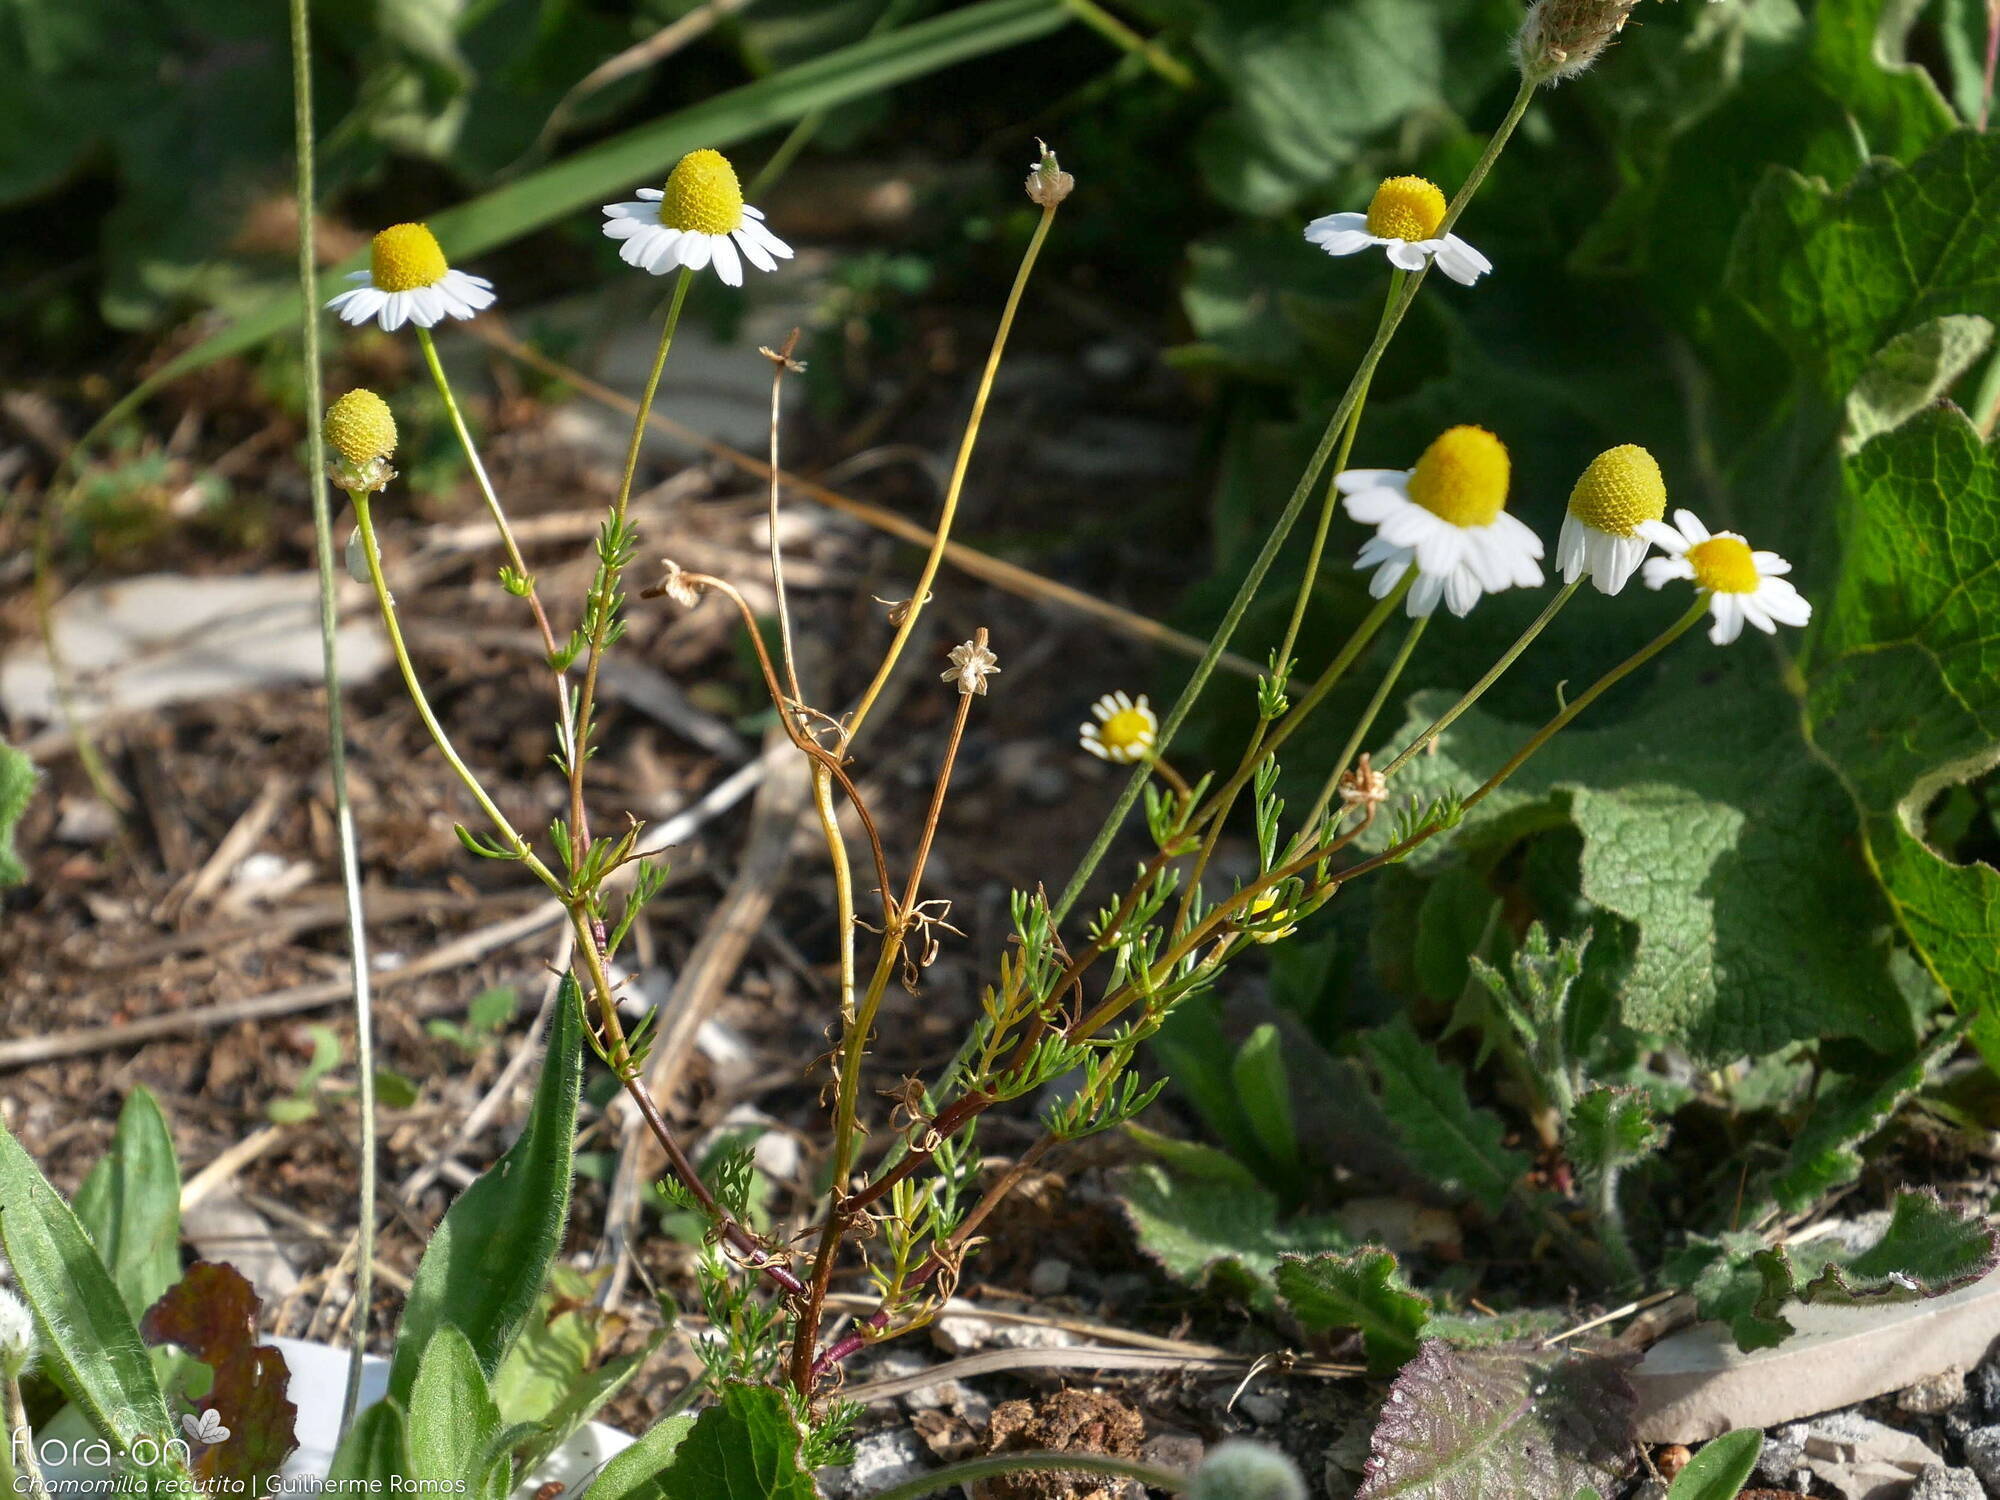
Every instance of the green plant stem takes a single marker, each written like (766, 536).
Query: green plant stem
(941, 1481)
(16, 1432)
(604, 589)
(518, 845)
(1148, 50)
(1366, 722)
(1493, 674)
(959, 466)
(1611, 1235)
(564, 728)
(1590, 695)
(336, 733)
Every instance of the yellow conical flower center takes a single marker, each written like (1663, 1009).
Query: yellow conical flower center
(1126, 733)
(1462, 477)
(1723, 565)
(406, 257)
(1405, 208)
(703, 195)
(1621, 488)
(360, 428)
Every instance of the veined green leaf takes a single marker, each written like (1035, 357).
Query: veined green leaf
(90, 1343)
(490, 1256)
(452, 1415)
(746, 1447)
(130, 1204)
(1364, 1290)
(1441, 1132)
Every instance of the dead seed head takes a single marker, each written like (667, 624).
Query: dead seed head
(1561, 38)
(1048, 183)
(971, 664)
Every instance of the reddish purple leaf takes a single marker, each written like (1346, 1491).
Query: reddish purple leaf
(246, 1426)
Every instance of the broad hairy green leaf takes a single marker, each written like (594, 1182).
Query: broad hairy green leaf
(1610, 1129)
(1266, 1095)
(1365, 1290)
(1836, 275)
(745, 1447)
(1910, 372)
(90, 1345)
(1721, 1469)
(1926, 1250)
(490, 1255)
(375, 1453)
(1728, 848)
(1903, 693)
(452, 1416)
(1470, 1424)
(1443, 1135)
(1204, 1218)
(551, 1381)
(17, 783)
(130, 1203)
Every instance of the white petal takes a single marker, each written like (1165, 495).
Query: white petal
(1373, 507)
(764, 237)
(695, 249)
(1784, 603)
(1728, 618)
(755, 213)
(1388, 575)
(1660, 571)
(1461, 592)
(1406, 256)
(1572, 549)
(1336, 224)
(396, 311)
(359, 277)
(1353, 481)
(1460, 261)
(1661, 535)
(1518, 532)
(1487, 558)
(1409, 524)
(728, 264)
(1620, 560)
(1375, 550)
(753, 252)
(1769, 564)
(1424, 594)
(651, 195)
(1341, 241)
(663, 252)
(1441, 550)
(1754, 613)
(1691, 527)
(641, 211)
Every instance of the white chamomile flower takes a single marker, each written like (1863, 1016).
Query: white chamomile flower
(1621, 490)
(698, 219)
(1447, 516)
(1403, 217)
(1740, 584)
(407, 281)
(1125, 729)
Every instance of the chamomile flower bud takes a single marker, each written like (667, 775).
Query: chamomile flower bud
(19, 1344)
(1560, 38)
(1263, 910)
(408, 281)
(1048, 184)
(1247, 1471)
(1125, 731)
(1403, 218)
(1446, 517)
(1621, 488)
(361, 431)
(1741, 585)
(698, 219)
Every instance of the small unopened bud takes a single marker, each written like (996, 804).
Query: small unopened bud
(1247, 1471)
(971, 664)
(18, 1342)
(1364, 787)
(1048, 183)
(361, 431)
(1561, 38)
(676, 585)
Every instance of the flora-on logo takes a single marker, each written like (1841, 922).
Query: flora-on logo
(206, 1428)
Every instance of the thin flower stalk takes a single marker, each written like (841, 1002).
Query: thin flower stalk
(1359, 733)
(967, 442)
(336, 734)
(1492, 675)
(604, 590)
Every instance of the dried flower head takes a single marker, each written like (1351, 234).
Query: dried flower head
(18, 1342)
(1048, 184)
(361, 431)
(676, 585)
(1364, 787)
(1561, 38)
(971, 664)
(899, 609)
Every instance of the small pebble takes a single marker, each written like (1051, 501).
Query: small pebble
(1050, 1278)
(1935, 1482)
(1265, 1410)
(1933, 1396)
(1982, 1453)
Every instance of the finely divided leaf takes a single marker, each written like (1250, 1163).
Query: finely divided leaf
(1471, 1424)
(489, 1258)
(1364, 1290)
(1457, 1146)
